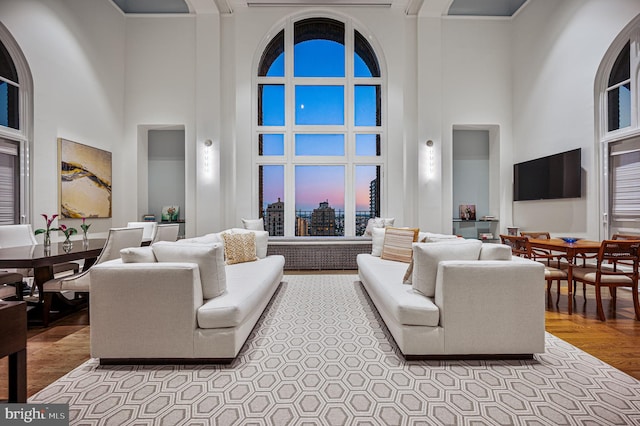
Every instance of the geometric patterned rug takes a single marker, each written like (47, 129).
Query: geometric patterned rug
(321, 355)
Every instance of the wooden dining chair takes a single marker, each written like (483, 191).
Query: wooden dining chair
(118, 239)
(521, 247)
(613, 252)
(11, 285)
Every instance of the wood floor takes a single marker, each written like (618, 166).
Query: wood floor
(56, 350)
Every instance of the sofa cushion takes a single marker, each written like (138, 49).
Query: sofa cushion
(426, 257)
(247, 285)
(137, 255)
(397, 243)
(383, 282)
(431, 237)
(378, 222)
(377, 241)
(253, 224)
(209, 258)
(495, 252)
(262, 240)
(204, 239)
(239, 248)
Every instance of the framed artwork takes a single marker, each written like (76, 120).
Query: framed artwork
(467, 211)
(85, 180)
(170, 213)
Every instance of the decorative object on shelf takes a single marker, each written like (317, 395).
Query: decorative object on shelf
(85, 228)
(85, 180)
(467, 211)
(68, 232)
(512, 230)
(47, 231)
(149, 217)
(170, 213)
(488, 218)
(569, 240)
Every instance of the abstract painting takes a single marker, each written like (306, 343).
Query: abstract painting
(85, 180)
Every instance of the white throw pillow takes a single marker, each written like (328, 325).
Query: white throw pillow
(210, 260)
(214, 238)
(495, 252)
(431, 237)
(253, 224)
(426, 257)
(262, 240)
(377, 241)
(378, 222)
(137, 255)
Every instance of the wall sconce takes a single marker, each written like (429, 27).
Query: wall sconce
(430, 159)
(207, 155)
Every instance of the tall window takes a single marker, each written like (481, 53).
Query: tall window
(12, 141)
(319, 132)
(620, 135)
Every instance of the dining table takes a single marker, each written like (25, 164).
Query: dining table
(42, 259)
(570, 250)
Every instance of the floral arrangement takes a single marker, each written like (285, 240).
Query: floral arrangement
(47, 231)
(85, 226)
(67, 231)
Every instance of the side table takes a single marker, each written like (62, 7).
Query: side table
(13, 343)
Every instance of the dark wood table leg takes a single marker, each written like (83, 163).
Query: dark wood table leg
(18, 376)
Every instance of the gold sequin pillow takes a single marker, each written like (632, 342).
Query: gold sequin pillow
(239, 248)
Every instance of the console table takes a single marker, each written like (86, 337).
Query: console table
(13, 329)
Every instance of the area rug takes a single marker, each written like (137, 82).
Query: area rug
(321, 355)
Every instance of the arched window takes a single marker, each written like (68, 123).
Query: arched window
(319, 130)
(15, 84)
(620, 133)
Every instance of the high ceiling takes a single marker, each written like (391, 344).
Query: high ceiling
(504, 8)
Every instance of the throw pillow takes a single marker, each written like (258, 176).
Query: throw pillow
(428, 255)
(378, 222)
(209, 258)
(377, 241)
(397, 243)
(262, 240)
(495, 252)
(253, 224)
(408, 275)
(137, 255)
(239, 248)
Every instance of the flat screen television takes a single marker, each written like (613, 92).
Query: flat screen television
(551, 177)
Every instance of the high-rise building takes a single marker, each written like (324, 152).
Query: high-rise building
(274, 218)
(323, 220)
(374, 197)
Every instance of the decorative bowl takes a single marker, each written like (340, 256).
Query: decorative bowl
(569, 240)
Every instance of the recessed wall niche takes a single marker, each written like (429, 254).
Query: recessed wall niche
(166, 171)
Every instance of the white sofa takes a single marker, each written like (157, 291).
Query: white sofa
(479, 308)
(162, 311)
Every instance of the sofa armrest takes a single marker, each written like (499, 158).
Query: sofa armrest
(144, 310)
(492, 307)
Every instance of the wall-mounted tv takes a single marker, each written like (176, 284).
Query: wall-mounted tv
(554, 176)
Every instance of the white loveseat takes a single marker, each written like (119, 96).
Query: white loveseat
(491, 304)
(179, 302)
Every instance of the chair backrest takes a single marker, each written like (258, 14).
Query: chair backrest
(17, 236)
(167, 232)
(149, 228)
(118, 239)
(619, 251)
(536, 235)
(519, 245)
(625, 237)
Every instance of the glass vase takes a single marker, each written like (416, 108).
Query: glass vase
(85, 240)
(47, 241)
(67, 245)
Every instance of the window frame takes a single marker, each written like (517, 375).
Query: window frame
(289, 160)
(23, 136)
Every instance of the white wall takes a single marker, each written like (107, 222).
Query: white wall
(74, 49)
(104, 80)
(553, 99)
(464, 81)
